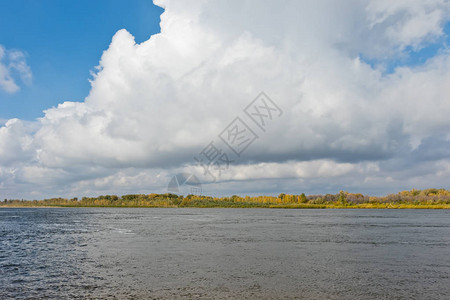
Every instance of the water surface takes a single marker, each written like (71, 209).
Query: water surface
(132, 253)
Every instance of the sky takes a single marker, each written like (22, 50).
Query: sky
(251, 97)
(61, 43)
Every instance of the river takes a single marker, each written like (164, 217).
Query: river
(194, 253)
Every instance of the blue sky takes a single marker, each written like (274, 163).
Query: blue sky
(412, 57)
(63, 41)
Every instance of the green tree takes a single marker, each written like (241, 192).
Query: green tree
(302, 198)
(342, 198)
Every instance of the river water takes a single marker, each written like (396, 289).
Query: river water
(146, 253)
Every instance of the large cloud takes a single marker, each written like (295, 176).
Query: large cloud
(154, 105)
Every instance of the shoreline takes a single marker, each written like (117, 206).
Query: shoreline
(407, 206)
(415, 199)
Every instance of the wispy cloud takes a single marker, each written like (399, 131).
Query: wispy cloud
(13, 66)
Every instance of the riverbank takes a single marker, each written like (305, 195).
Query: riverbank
(414, 199)
(253, 205)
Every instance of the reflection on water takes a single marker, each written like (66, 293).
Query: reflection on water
(121, 253)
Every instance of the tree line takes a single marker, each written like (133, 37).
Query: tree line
(434, 198)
